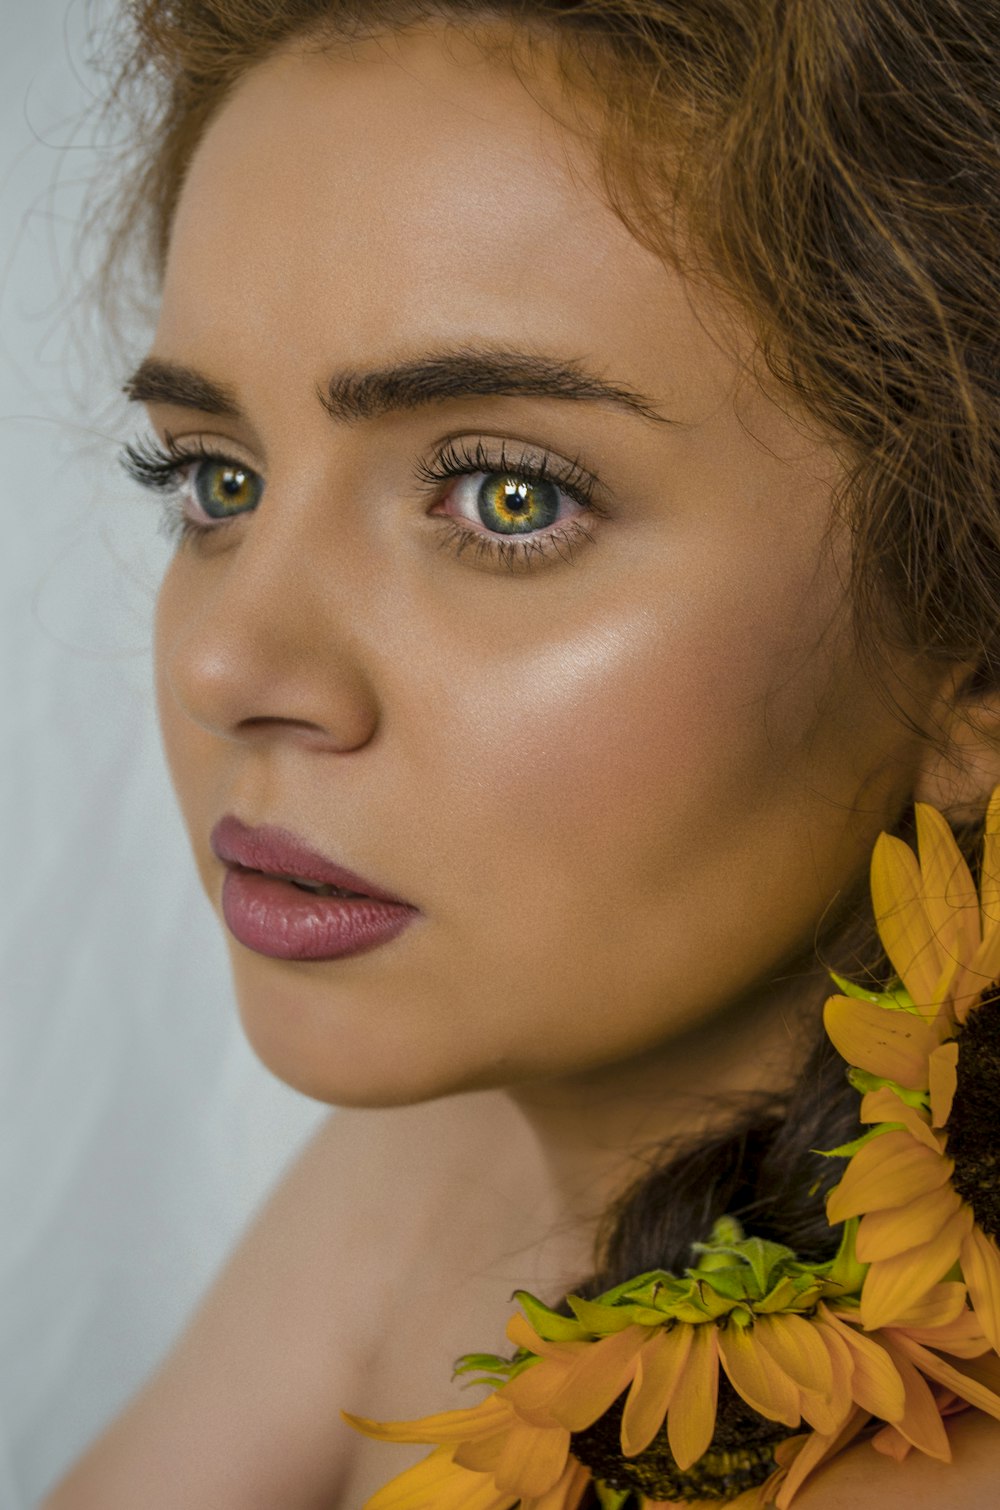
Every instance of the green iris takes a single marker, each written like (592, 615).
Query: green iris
(223, 489)
(515, 506)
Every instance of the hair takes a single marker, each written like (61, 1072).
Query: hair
(832, 166)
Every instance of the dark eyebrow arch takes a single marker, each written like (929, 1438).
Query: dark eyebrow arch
(430, 379)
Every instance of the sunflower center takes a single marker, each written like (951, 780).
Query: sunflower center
(740, 1455)
(974, 1123)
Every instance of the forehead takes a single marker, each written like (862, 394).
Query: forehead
(408, 192)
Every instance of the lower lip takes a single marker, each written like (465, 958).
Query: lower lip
(277, 919)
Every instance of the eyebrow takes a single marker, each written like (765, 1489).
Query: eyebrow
(430, 379)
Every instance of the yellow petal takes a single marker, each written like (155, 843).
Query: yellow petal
(522, 1334)
(437, 1481)
(949, 893)
(827, 1414)
(941, 1307)
(658, 1368)
(691, 1417)
(450, 1426)
(893, 1284)
(981, 973)
(981, 1272)
(921, 1421)
(815, 1449)
(892, 1443)
(893, 1044)
(962, 1338)
(989, 871)
(795, 1346)
(755, 1375)
(903, 924)
(891, 1170)
(531, 1392)
(875, 1381)
(533, 1460)
(597, 1377)
(942, 1078)
(883, 1234)
(567, 1494)
(942, 1372)
(884, 1105)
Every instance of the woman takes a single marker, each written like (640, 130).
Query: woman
(578, 423)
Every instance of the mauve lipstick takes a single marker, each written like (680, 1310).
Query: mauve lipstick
(266, 912)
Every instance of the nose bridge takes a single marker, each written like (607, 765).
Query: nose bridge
(272, 630)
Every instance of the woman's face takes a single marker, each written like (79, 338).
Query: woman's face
(620, 757)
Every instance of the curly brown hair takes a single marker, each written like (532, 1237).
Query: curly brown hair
(832, 166)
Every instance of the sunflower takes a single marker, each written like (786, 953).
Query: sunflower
(925, 1179)
(667, 1389)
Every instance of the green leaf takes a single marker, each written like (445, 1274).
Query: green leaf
(850, 989)
(846, 1271)
(473, 1362)
(731, 1282)
(848, 1150)
(547, 1323)
(642, 1288)
(602, 1320)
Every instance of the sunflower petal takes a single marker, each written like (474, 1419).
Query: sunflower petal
(691, 1418)
(904, 927)
(981, 1272)
(794, 1345)
(883, 1234)
(756, 1376)
(531, 1391)
(450, 1426)
(892, 1443)
(940, 1308)
(815, 1450)
(921, 1421)
(962, 1338)
(884, 1105)
(989, 870)
(894, 1045)
(658, 1368)
(893, 1285)
(597, 1378)
(943, 1372)
(533, 1461)
(949, 893)
(980, 973)
(889, 1171)
(567, 1494)
(942, 1079)
(827, 1415)
(439, 1482)
(875, 1381)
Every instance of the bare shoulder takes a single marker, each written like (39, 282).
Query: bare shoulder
(862, 1477)
(244, 1412)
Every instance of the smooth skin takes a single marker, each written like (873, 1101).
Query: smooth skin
(627, 790)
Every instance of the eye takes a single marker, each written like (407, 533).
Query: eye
(223, 488)
(204, 489)
(508, 504)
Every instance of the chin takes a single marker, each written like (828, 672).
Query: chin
(352, 1067)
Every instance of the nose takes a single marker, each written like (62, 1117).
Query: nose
(265, 635)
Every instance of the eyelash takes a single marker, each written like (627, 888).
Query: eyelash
(159, 467)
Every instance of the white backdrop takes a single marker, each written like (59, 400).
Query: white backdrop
(138, 1133)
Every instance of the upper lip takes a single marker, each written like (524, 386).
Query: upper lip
(277, 852)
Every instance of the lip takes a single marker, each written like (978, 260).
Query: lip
(277, 852)
(267, 914)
